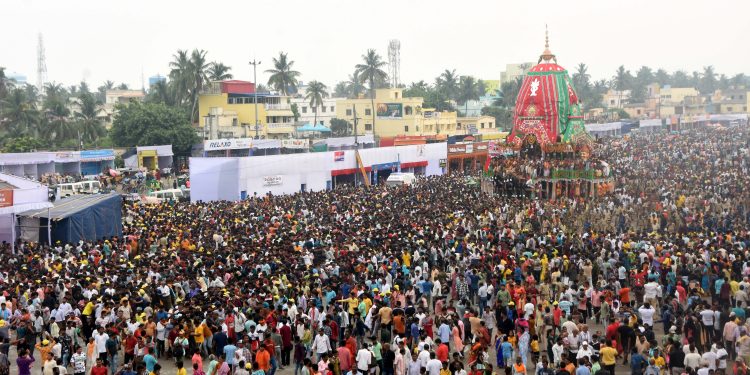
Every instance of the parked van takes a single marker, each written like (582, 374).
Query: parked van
(398, 179)
(159, 196)
(89, 187)
(67, 190)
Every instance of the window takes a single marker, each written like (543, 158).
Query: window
(729, 109)
(612, 102)
(638, 111)
(482, 124)
(332, 109)
(407, 110)
(348, 112)
(368, 112)
(368, 127)
(406, 128)
(396, 95)
(314, 109)
(322, 122)
(744, 108)
(324, 109)
(304, 109)
(458, 126)
(742, 96)
(234, 122)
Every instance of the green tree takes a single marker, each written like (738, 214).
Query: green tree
(662, 77)
(179, 76)
(354, 86)
(468, 90)
(20, 114)
(148, 124)
(581, 78)
(102, 90)
(162, 92)
(447, 84)
(680, 78)
(340, 90)
(643, 77)
(283, 78)
(219, 72)
(315, 93)
(340, 128)
(708, 83)
(198, 77)
(4, 83)
(23, 144)
(90, 127)
(503, 116)
(295, 111)
(739, 81)
(371, 71)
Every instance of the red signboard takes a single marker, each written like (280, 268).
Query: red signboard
(6, 198)
(338, 156)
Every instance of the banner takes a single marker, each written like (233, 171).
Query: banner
(6, 198)
(301, 144)
(338, 156)
(390, 110)
(227, 144)
(98, 154)
(272, 180)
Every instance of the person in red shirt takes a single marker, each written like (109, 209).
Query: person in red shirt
(442, 352)
(286, 344)
(99, 368)
(129, 347)
(624, 296)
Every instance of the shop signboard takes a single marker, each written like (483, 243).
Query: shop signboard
(301, 144)
(227, 144)
(338, 156)
(6, 198)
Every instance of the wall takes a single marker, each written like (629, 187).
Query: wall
(227, 178)
(245, 112)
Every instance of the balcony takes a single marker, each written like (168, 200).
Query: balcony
(279, 127)
(278, 107)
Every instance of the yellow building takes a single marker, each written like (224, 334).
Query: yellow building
(395, 115)
(676, 95)
(227, 109)
(477, 124)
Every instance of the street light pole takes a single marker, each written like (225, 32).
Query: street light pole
(255, 64)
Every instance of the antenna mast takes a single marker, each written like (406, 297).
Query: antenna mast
(394, 62)
(41, 64)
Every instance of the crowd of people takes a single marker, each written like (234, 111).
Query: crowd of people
(434, 278)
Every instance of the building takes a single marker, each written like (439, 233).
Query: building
(615, 98)
(514, 71)
(730, 101)
(474, 107)
(114, 97)
(226, 109)
(477, 125)
(321, 115)
(396, 115)
(74, 163)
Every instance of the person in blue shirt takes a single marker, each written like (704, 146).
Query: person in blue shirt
(637, 362)
(149, 360)
(414, 332)
(582, 368)
(229, 350)
(444, 332)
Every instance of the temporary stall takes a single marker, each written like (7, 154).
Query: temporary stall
(18, 194)
(150, 157)
(80, 217)
(610, 129)
(94, 162)
(651, 124)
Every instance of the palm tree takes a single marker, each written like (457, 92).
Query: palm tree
(315, 93)
(468, 90)
(57, 128)
(283, 78)
(20, 113)
(179, 75)
(581, 77)
(354, 86)
(621, 80)
(219, 72)
(102, 90)
(739, 80)
(161, 92)
(447, 83)
(198, 68)
(371, 71)
(4, 83)
(708, 80)
(662, 77)
(88, 124)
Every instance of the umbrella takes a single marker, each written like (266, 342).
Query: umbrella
(113, 172)
(313, 128)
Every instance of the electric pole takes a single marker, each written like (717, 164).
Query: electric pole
(255, 64)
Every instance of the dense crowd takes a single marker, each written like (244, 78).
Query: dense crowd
(434, 278)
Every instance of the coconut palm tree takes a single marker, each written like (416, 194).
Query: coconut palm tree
(87, 122)
(315, 93)
(4, 83)
(447, 84)
(468, 89)
(219, 72)
(283, 78)
(708, 82)
(371, 71)
(20, 113)
(197, 68)
(354, 86)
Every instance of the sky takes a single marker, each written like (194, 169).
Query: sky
(125, 40)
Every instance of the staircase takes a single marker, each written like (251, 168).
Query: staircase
(365, 175)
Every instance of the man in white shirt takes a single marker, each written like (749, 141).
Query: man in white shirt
(322, 345)
(364, 359)
(585, 351)
(424, 356)
(647, 314)
(100, 340)
(434, 365)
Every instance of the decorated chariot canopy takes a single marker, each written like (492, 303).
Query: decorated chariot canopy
(548, 109)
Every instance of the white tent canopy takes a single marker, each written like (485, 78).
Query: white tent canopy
(26, 195)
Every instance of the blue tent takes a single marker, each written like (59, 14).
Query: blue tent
(313, 128)
(81, 217)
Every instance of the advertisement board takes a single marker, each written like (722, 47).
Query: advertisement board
(295, 143)
(272, 180)
(338, 156)
(390, 110)
(6, 198)
(227, 144)
(97, 154)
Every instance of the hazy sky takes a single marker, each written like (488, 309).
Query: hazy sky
(100, 40)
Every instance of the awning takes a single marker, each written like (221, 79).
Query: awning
(23, 207)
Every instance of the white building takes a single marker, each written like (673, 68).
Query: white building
(513, 71)
(307, 114)
(235, 178)
(115, 97)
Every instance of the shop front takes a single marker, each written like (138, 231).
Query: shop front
(466, 158)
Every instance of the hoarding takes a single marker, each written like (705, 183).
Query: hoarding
(390, 110)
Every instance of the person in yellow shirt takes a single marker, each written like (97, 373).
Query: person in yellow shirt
(406, 259)
(181, 368)
(608, 357)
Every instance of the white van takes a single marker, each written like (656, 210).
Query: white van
(67, 190)
(89, 187)
(160, 196)
(398, 179)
